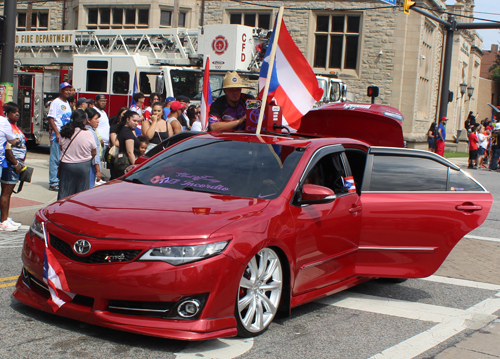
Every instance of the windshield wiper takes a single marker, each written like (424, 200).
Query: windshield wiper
(199, 190)
(133, 180)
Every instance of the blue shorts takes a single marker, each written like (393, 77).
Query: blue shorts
(9, 175)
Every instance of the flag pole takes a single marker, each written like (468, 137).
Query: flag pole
(270, 70)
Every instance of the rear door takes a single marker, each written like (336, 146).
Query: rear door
(416, 207)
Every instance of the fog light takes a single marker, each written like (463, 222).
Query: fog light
(189, 308)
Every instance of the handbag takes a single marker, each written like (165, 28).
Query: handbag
(24, 176)
(59, 164)
(113, 152)
(121, 162)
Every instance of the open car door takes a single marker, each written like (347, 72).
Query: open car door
(416, 206)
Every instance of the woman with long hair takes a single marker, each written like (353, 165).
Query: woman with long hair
(129, 143)
(193, 113)
(78, 148)
(113, 141)
(156, 129)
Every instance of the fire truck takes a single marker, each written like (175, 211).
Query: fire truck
(118, 63)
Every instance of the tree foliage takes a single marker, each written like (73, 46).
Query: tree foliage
(494, 70)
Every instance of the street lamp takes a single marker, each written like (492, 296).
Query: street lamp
(463, 88)
(470, 91)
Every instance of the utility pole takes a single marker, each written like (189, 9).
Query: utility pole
(7, 62)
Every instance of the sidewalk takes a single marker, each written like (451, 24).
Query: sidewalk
(35, 195)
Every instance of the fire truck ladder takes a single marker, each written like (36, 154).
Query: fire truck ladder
(171, 46)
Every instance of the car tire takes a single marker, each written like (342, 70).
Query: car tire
(259, 293)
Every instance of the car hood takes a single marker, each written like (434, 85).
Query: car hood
(123, 210)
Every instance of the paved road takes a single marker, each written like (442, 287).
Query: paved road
(453, 314)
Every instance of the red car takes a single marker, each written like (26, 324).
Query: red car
(221, 233)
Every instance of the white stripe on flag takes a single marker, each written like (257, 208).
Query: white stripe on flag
(58, 301)
(292, 85)
(54, 278)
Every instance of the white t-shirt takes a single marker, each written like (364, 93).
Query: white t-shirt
(196, 126)
(6, 134)
(483, 140)
(61, 112)
(103, 127)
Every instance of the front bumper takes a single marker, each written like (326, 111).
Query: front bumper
(100, 286)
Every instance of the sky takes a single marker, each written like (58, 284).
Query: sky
(486, 9)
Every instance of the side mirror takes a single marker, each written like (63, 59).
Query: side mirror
(314, 194)
(160, 84)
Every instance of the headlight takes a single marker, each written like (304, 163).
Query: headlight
(184, 254)
(36, 229)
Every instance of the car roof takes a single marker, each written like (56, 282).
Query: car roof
(293, 140)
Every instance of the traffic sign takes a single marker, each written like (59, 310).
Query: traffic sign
(392, 2)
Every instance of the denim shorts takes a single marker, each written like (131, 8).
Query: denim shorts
(9, 175)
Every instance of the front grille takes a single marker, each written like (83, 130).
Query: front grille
(104, 256)
(145, 309)
(42, 288)
(35, 284)
(83, 300)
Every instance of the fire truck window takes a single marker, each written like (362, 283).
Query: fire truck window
(121, 81)
(187, 83)
(97, 81)
(97, 64)
(147, 82)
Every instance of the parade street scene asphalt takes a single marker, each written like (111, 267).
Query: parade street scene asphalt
(451, 314)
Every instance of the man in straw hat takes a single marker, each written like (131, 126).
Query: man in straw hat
(228, 112)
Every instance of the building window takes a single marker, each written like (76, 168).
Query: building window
(117, 18)
(337, 41)
(261, 20)
(39, 21)
(166, 18)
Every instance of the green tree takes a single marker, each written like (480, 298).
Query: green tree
(494, 70)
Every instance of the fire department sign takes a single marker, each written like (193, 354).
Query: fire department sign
(45, 38)
(219, 45)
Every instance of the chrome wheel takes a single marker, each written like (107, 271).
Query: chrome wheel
(259, 293)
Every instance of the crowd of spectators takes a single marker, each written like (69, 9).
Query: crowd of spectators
(83, 138)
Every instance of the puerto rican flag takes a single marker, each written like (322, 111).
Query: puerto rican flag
(53, 276)
(293, 83)
(206, 96)
(348, 183)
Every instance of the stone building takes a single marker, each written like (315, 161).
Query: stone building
(368, 43)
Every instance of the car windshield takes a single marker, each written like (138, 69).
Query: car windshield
(234, 168)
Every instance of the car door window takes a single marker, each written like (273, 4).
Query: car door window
(460, 181)
(329, 172)
(407, 173)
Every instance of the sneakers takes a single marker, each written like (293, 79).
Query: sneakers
(54, 188)
(6, 226)
(100, 183)
(15, 224)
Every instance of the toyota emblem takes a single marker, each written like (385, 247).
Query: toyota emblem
(82, 246)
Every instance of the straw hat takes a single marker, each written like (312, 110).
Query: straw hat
(233, 80)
